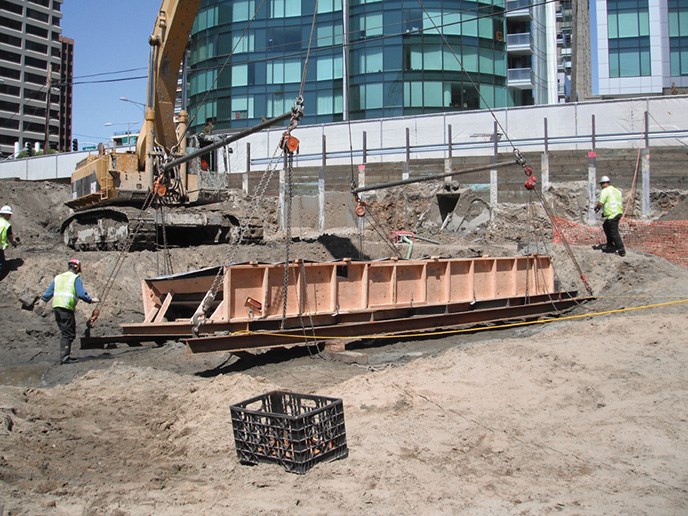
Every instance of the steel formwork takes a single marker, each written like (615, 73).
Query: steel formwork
(252, 295)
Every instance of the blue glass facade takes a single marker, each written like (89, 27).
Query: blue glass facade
(397, 60)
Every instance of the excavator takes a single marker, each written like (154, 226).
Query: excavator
(138, 199)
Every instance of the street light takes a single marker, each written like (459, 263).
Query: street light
(128, 124)
(140, 105)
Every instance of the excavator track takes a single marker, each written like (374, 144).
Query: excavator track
(109, 228)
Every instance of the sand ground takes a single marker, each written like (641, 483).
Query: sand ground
(578, 416)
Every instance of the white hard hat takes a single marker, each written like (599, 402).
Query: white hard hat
(6, 210)
(605, 179)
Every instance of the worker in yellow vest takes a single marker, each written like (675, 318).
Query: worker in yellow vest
(66, 290)
(6, 236)
(611, 205)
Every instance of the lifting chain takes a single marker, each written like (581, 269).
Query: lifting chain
(531, 181)
(199, 318)
(289, 162)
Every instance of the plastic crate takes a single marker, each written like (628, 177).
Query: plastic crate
(296, 431)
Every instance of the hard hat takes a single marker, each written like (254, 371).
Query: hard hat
(6, 210)
(605, 179)
(75, 263)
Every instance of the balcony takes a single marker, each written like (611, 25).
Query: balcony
(519, 78)
(516, 9)
(518, 43)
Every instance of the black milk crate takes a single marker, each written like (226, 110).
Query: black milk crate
(294, 430)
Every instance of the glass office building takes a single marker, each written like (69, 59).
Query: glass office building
(639, 46)
(368, 59)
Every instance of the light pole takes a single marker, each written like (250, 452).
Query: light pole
(128, 124)
(140, 105)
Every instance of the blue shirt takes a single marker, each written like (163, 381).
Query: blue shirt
(78, 286)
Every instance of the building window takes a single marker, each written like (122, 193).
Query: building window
(278, 104)
(207, 110)
(284, 72)
(205, 19)
(328, 103)
(242, 107)
(284, 8)
(243, 10)
(329, 67)
(370, 60)
(37, 15)
(629, 57)
(328, 6)
(629, 43)
(328, 35)
(678, 37)
(240, 75)
(371, 96)
(243, 42)
(203, 81)
(205, 48)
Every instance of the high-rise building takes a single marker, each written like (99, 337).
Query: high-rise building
(640, 47)
(368, 58)
(66, 80)
(30, 65)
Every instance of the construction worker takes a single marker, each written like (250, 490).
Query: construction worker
(6, 236)
(611, 205)
(66, 290)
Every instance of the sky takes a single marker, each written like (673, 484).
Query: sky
(109, 36)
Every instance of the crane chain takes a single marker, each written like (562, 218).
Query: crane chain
(287, 237)
(199, 317)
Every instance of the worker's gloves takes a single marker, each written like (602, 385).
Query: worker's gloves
(95, 300)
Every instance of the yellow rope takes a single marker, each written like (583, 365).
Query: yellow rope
(480, 328)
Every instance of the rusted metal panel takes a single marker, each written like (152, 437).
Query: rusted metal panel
(342, 293)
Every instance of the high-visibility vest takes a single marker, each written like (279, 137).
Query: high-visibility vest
(64, 295)
(612, 201)
(4, 228)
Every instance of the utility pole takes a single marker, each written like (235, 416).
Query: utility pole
(48, 87)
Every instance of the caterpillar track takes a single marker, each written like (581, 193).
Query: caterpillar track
(110, 228)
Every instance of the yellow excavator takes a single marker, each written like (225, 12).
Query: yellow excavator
(127, 198)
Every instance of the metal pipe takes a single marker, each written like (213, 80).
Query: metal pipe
(226, 141)
(491, 166)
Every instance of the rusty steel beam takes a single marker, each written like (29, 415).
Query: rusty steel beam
(308, 336)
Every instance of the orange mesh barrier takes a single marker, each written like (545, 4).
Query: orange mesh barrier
(665, 238)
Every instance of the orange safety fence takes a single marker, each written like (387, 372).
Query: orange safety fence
(665, 238)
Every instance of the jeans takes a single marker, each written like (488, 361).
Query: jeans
(611, 231)
(66, 322)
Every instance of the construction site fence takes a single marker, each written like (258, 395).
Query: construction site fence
(665, 238)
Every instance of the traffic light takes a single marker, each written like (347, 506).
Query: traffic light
(29, 148)
(75, 144)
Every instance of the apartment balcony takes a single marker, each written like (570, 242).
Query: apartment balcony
(519, 44)
(518, 9)
(520, 78)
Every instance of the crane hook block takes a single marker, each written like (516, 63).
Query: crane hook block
(160, 189)
(290, 143)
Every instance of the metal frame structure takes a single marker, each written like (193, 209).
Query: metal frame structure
(339, 299)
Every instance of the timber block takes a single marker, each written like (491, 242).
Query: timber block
(335, 346)
(347, 357)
